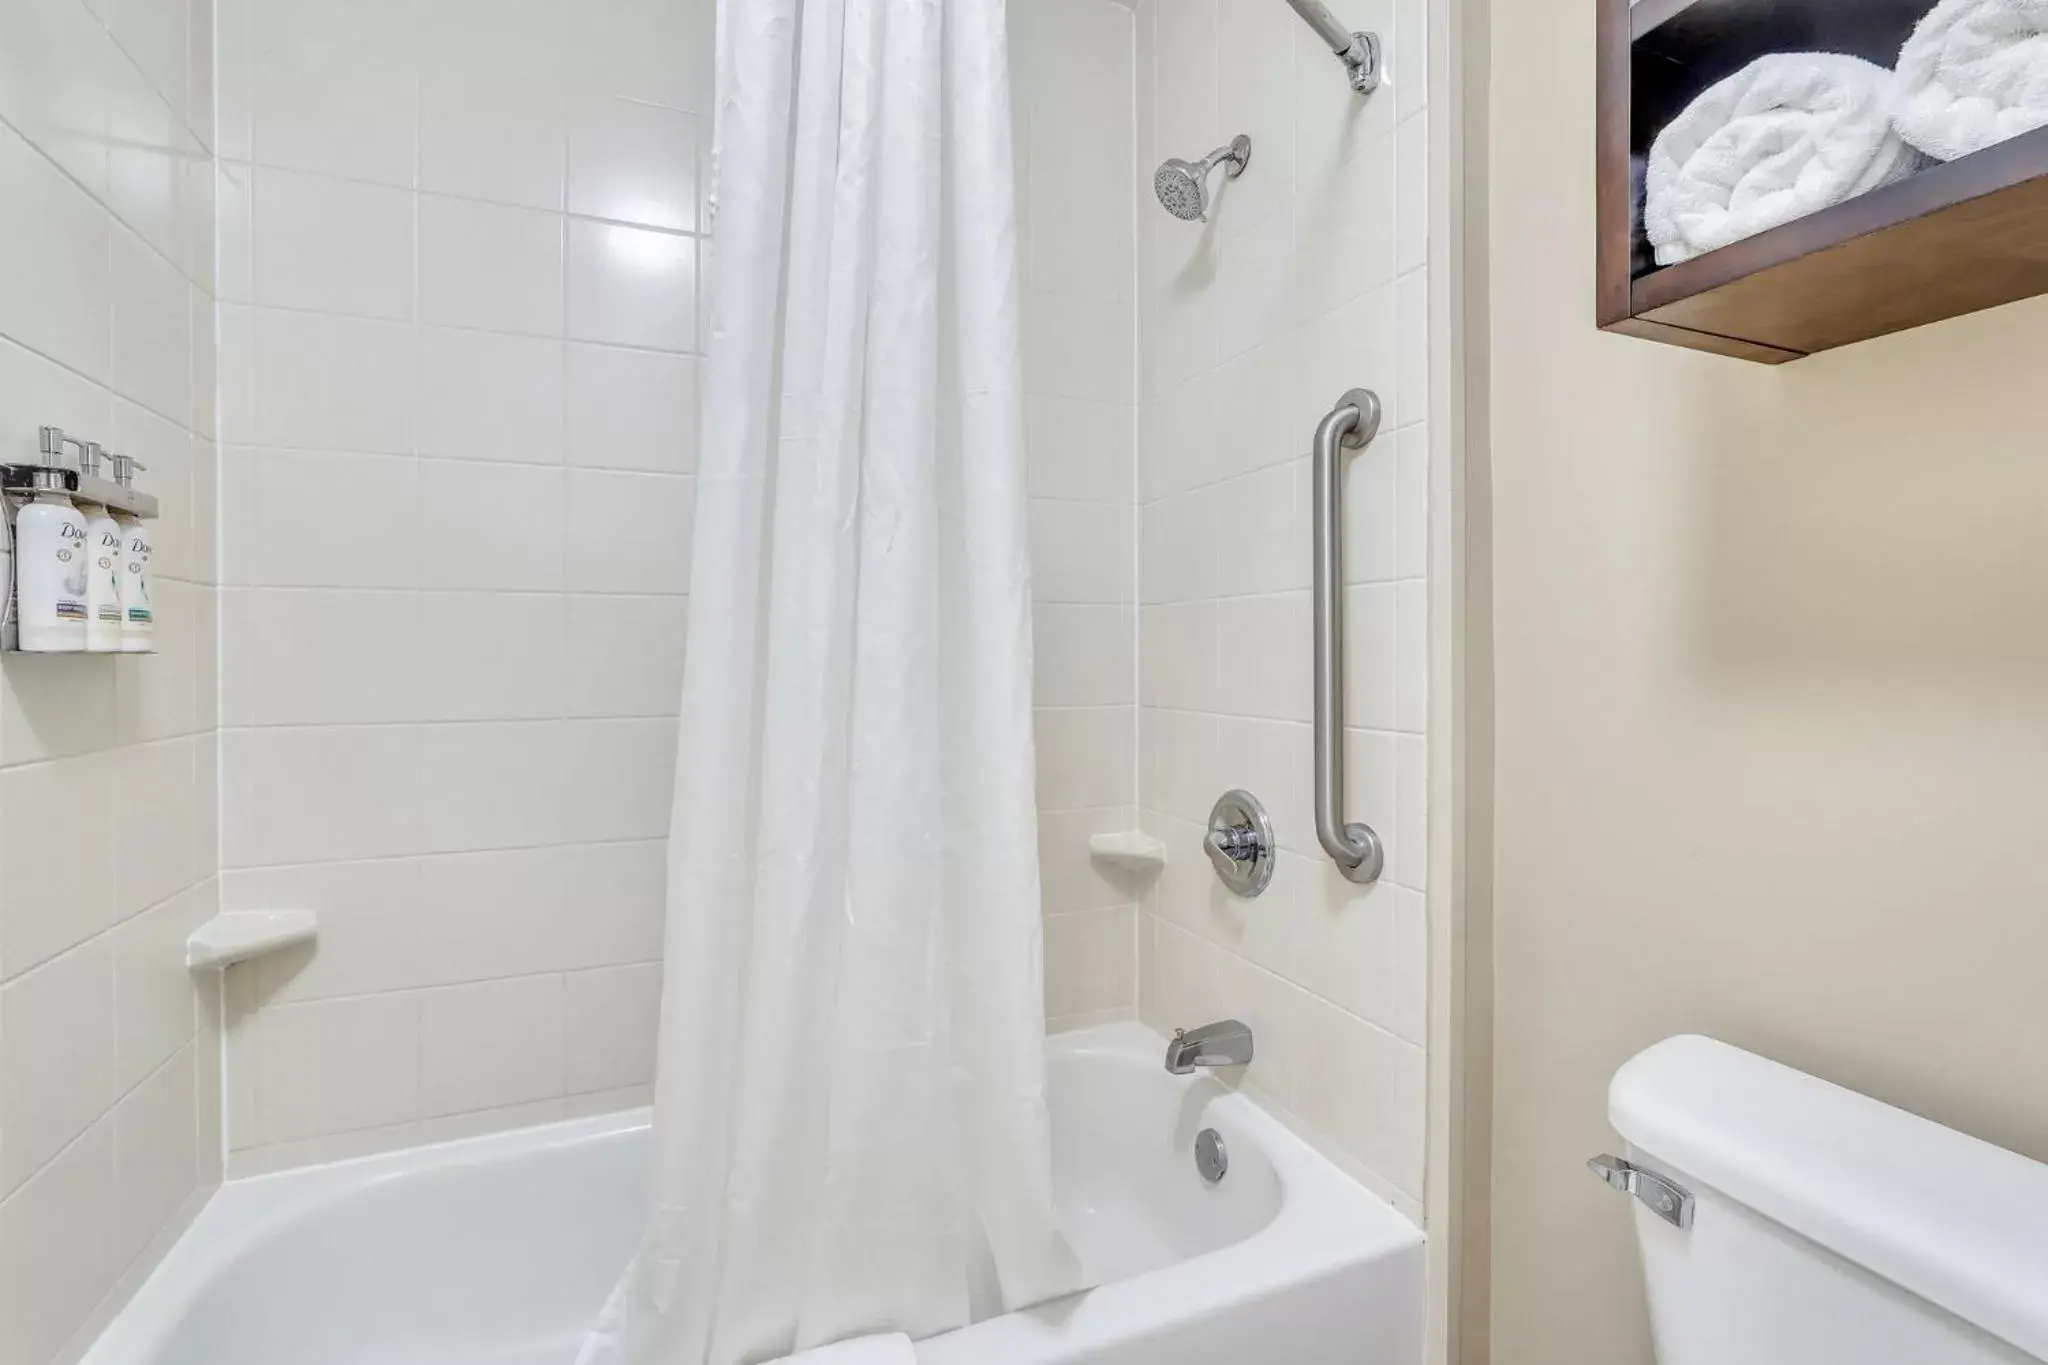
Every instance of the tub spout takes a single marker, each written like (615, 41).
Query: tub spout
(1228, 1043)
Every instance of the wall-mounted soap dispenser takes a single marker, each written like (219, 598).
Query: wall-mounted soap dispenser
(104, 611)
(49, 512)
(138, 621)
(50, 565)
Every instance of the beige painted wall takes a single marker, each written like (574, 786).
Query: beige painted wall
(1771, 654)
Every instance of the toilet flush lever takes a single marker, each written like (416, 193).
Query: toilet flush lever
(1667, 1199)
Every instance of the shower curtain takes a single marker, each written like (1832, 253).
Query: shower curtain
(850, 1123)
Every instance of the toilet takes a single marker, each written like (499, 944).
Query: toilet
(1784, 1220)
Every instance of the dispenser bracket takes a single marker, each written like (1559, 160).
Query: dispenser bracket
(17, 486)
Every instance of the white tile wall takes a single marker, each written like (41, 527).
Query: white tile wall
(1073, 98)
(490, 267)
(489, 1044)
(456, 367)
(1309, 279)
(109, 1050)
(458, 381)
(491, 396)
(58, 1240)
(493, 122)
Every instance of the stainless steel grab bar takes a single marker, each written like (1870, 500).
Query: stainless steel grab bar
(1350, 425)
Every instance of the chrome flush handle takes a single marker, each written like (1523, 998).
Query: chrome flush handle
(1667, 1199)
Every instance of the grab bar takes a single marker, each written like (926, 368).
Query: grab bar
(1350, 425)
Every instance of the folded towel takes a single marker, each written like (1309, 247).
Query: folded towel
(1974, 72)
(1789, 134)
(884, 1348)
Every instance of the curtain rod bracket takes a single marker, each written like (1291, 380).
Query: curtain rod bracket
(1362, 62)
(1360, 52)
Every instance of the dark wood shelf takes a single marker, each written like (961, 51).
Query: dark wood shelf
(1734, 32)
(1953, 239)
(1646, 15)
(1694, 43)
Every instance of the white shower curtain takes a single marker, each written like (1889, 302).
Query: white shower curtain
(850, 1126)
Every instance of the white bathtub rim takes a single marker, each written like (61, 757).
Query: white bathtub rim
(1327, 1221)
(242, 1213)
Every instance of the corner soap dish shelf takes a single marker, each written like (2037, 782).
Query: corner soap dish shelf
(238, 935)
(1128, 851)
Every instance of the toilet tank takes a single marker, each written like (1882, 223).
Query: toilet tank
(1811, 1225)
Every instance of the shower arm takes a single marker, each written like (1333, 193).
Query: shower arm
(1231, 156)
(1360, 52)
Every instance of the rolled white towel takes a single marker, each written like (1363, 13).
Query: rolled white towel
(1974, 72)
(1788, 135)
(884, 1348)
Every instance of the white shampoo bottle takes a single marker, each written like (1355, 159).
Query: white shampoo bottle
(104, 612)
(138, 618)
(50, 567)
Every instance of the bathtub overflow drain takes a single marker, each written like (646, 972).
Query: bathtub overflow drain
(1212, 1159)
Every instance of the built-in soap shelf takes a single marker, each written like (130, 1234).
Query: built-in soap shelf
(74, 556)
(1132, 852)
(238, 935)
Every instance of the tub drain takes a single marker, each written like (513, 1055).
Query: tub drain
(1212, 1159)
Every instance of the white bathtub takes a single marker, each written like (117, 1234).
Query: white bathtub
(498, 1250)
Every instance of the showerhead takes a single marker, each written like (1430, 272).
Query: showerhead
(1183, 186)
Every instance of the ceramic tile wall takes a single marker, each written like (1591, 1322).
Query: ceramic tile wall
(457, 258)
(109, 1049)
(458, 367)
(1071, 69)
(1309, 278)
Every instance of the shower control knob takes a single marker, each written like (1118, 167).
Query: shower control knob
(1240, 843)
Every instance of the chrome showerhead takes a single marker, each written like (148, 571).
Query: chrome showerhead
(1180, 189)
(1183, 186)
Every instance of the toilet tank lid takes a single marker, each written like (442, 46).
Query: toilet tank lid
(1956, 1221)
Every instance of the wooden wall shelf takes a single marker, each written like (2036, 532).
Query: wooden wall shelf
(1957, 237)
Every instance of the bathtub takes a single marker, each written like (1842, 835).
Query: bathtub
(499, 1250)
